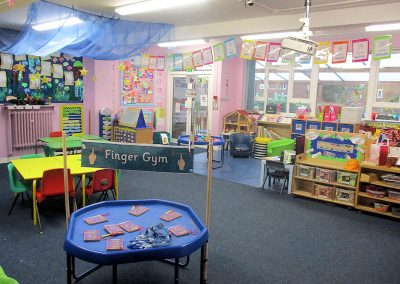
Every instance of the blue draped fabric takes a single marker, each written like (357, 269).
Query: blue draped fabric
(95, 37)
(7, 37)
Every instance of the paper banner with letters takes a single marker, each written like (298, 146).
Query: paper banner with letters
(360, 49)
(274, 49)
(382, 47)
(142, 157)
(322, 54)
(197, 58)
(260, 51)
(207, 55)
(218, 51)
(230, 48)
(247, 50)
(339, 51)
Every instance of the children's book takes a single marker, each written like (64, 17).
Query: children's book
(114, 230)
(138, 210)
(95, 219)
(91, 235)
(129, 227)
(115, 244)
(170, 215)
(179, 231)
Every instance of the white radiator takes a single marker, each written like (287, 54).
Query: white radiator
(25, 126)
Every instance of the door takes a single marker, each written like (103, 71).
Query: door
(182, 120)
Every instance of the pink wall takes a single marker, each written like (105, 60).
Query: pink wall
(229, 86)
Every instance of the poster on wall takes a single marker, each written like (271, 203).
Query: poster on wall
(274, 49)
(339, 51)
(137, 86)
(303, 58)
(218, 51)
(360, 49)
(247, 49)
(322, 54)
(3, 79)
(260, 51)
(71, 119)
(230, 47)
(136, 60)
(144, 61)
(382, 47)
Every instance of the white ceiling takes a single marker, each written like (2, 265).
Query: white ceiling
(209, 11)
(220, 18)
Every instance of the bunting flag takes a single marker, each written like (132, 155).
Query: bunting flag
(265, 51)
(339, 51)
(260, 51)
(322, 54)
(247, 50)
(360, 49)
(382, 47)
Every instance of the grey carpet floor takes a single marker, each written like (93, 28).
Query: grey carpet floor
(255, 237)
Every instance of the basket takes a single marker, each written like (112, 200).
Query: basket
(375, 193)
(381, 207)
(394, 194)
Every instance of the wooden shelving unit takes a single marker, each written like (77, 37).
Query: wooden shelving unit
(304, 186)
(365, 201)
(239, 121)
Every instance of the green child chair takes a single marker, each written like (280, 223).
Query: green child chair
(4, 279)
(31, 156)
(16, 185)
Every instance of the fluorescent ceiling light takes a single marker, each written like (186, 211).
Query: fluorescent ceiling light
(384, 27)
(58, 24)
(274, 35)
(153, 5)
(182, 43)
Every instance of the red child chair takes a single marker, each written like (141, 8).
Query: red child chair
(102, 181)
(52, 185)
(56, 134)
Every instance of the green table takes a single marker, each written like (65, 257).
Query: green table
(72, 142)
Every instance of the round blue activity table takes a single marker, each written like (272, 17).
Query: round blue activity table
(198, 140)
(117, 212)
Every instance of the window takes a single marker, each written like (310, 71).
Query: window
(388, 89)
(373, 85)
(344, 84)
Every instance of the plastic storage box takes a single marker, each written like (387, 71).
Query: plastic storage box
(325, 175)
(344, 195)
(305, 171)
(394, 194)
(346, 178)
(351, 114)
(323, 191)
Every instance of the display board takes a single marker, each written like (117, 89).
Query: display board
(137, 85)
(56, 78)
(334, 146)
(71, 119)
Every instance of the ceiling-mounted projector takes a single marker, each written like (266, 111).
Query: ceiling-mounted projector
(302, 45)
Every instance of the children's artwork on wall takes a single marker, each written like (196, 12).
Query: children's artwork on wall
(3, 79)
(137, 86)
(31, 78)
(6, 61)
(334, 146)
(148, 117)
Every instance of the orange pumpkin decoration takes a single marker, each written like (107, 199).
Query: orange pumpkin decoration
(351, 165)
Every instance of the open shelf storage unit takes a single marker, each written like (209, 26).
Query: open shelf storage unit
(316, 179)
(370, 180)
